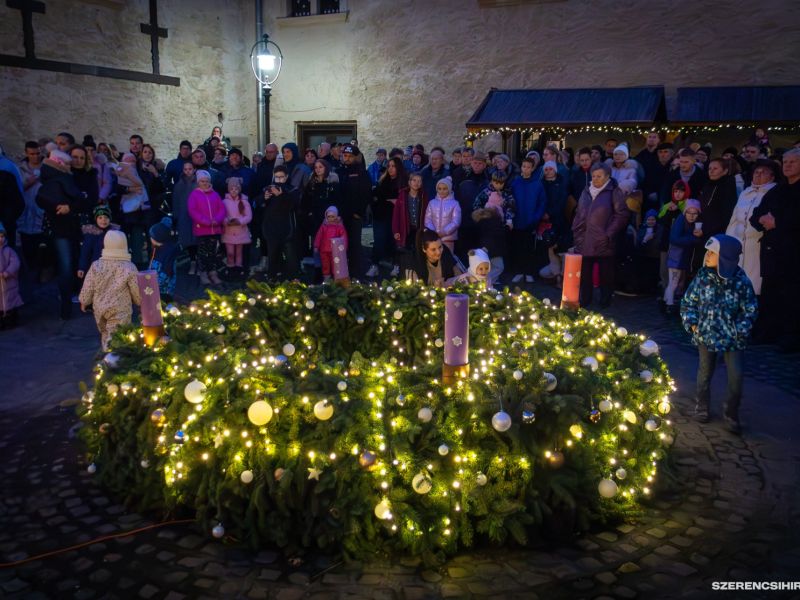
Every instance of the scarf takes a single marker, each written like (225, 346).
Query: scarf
(594, 191)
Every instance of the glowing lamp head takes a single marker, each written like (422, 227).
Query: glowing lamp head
(266, 61)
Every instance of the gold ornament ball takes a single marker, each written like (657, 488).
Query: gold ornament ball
(383, 510)
(342, 312)
(323, 410)
(557, 459)
(607, 488)
(259, 413)
(421, 483)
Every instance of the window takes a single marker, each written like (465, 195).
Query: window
(308, 8)
(328, 7)
(300, 8)
(311, 133)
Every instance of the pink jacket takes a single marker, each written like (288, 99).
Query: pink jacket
(444, 217)
(326, 232)
(207, 212)
(237, 234)
(9, 287)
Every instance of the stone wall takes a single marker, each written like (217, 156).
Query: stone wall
(417, 73)
(208, 48)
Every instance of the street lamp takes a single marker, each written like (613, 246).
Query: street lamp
(266, 60)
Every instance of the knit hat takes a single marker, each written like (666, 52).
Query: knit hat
(728, 248)
(129, 157)
(692, 203)
(479, 155)
(202, 174)
(622, 148)
(115, 246)
(380, 151)
(651, 213)
(503, 157)
(550, 164)
(731, 150)
(664, 146)
(102, 209)
(448, 182)
(60, 158)
(477, 257)
(534, 154)
(332, 210)
(161, 232)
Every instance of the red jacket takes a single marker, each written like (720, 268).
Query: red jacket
(326, 232)
(400, 224)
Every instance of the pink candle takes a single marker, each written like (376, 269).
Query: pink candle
(151, 298)
(570, 293)
(456, 329)
(339, 251)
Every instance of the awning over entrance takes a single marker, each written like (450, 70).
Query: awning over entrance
(642, 106)
(751, 105)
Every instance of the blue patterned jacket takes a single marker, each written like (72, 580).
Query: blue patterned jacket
(724, 310)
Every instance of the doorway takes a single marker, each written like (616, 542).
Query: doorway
(311, 134)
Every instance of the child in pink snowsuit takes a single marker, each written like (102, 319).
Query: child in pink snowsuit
(237, 215)
(331, 228)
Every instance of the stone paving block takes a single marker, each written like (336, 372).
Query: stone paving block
(681, 541)
(190, 541)
(667, 550)
(417, 593)
(15, 585)
(289, 594)
(173, 595)
(100, 576)
(606, 577)
(192, 562)
(299, 578)
(431, 576)
(589, 563)
(457, 572)
(657, 532)
(694, 531)
(681, 569)
(269, 574)
(451, 590)
(204, 583)
(214, 569)
(583, 584)
(607, 536)
(628, 567)
(174, 577)
(624, 592)
(148, 591)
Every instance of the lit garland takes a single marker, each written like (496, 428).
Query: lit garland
(560, 132)
(314, 417)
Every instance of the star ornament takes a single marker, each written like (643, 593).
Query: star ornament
(218, 440)
(148, 291)
(314, 473)
(457, 341)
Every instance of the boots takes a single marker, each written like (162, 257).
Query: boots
(212, 275)
(261, 267)
(204, 278)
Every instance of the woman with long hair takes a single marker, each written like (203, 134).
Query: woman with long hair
(85, 177)
(319, 193)
(385, 197)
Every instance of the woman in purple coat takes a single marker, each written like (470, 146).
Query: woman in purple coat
(601, 215)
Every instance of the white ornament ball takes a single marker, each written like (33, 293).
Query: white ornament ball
(646, 376)
(111, 359)
(341, 386)
(421, 483)
(398, 314)
(621, 473)
(92, 469)
(425, 414)
(383, 511)
(518, 375)
(651, 425)
(218, 531)
(546, 301)
(195, 391)
(251, 301)
(144, 463)
(607, 488)
(112, 388)
(567, 337)
(591, 362)
(664, 407)
(605, 405)
(439, 342)
(310, 304)
(668, 440)
(289, 349)
(246, 476)
(220, 328)
(648, 348)
(550, 382)
(629, 416)
(323, 410)
(444, 450)
(481, 479)
(259, 413)
(501, 421)
(126, 386)
(622, 332)
(173, 310)
(389, 289)
(360, 319)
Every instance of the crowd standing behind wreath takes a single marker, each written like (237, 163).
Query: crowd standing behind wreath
(640, 222)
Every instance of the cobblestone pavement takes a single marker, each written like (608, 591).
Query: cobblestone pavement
(731, 513)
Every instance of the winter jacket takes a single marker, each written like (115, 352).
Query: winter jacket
(625, 175)
(260, 181)
(246, 174)
(327, 232)
(280, 220)
(509, 206)
(105, 177)
(597, 222)
(232, 233)
(556, 192)
(750, 237)
(683, 245)
(110, 286)
(376, 169)
(87, 183)
(299, 173)
(174, 170)
(723, 310)
(717, 199)
(317, 197)
(58, 188)
(579, 180)
(9, 287)
(164, 264)
(652, 247)
(207, 212)
(180, 210)
(696, 182)
(92, 246)
(780, 247)
(443, 216)
(531, 201)
(356, 188)
(447, 261)
(30, 222)
(431, 178)
(12, 202)
(491, 231)
(387, 189)
(466, 191)
(401, 219)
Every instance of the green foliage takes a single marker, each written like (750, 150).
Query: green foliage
(354, 350)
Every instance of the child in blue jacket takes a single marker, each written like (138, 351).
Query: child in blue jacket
(719, 310)
(685, 238)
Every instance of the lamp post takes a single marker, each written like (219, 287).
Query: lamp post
(266, 60)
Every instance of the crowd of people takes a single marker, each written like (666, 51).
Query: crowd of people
(640, 222)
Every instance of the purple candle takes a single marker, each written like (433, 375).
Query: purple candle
(151, 299)
(456, 329)
(339, 251)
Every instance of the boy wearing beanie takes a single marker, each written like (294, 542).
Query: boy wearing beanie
(110, 287)
(165, 255)
(719, 310)
(93, 236)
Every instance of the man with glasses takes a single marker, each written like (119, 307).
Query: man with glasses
(279, 225)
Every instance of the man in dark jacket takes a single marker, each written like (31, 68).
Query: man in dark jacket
(580, 175)
(279, 226)
(474, 180)
(655, 158)
(236, 168)
(687, 170)
(356, 193)
(778, 216)
(174, 168)
(433, 172)
(258, 184)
